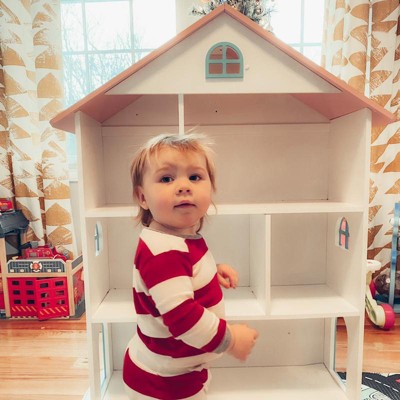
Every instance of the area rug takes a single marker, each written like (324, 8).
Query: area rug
(378, 386)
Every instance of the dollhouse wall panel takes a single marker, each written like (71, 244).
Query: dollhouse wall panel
(249, 175)
(260, 259)
(121, 334)
(301, 153)
(345, 268)
(182, 68)
(247, 109)
(123, 236)
(215, 109)
(90, 153)
(298, 246)
(121, 144)
(280, 343)
(148, 110)
(330, 343)
(283, 343)
(347, 178)
(98, 268)
(228, 238)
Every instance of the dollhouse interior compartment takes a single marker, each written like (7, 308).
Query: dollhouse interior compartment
(263, 154)
(290, 265)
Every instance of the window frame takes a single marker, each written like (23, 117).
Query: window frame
(224, 61)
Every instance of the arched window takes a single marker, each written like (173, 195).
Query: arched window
(344, 233)
(224, 60)
(98, 238)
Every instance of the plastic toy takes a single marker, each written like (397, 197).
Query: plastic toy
(383, 284)
(12, 224)
(6, 204)
(40, 282)
(389, 292)
(45, 288)
(381, 315)
(33, 250)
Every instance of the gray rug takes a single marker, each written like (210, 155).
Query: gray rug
(378, 386)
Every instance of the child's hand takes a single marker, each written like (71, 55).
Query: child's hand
(243, 341)
(227, 276)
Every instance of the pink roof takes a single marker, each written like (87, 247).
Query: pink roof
(100, 106)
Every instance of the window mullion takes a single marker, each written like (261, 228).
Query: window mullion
(132, 31)
(302, 26)
(86, 48)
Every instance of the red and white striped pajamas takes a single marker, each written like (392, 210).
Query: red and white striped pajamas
(180, 318)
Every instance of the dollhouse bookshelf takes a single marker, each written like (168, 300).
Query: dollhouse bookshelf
(292, 153)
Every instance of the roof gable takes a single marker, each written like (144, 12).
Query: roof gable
(181, 69)
(308, 82)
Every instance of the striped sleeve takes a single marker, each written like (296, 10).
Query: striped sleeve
(168, 278)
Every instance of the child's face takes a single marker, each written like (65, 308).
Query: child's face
(177, 190)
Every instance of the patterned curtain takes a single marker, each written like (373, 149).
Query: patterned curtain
(33, 161)
(362, 47)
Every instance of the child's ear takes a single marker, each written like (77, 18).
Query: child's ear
(141, 198)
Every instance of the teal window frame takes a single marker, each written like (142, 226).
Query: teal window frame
(344, 233)
(224, 61)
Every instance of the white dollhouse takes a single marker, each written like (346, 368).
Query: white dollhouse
(292, 145)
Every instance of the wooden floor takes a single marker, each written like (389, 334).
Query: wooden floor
(43, 360)
(381, 348)
(48, 360)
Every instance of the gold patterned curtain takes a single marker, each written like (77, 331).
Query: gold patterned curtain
(33, 161)
(362, 47)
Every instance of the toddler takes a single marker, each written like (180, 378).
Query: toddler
(177, 294)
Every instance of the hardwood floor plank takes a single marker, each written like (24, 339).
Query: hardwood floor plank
(43, 360)
(381, 348)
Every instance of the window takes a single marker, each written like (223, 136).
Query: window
(224, 60)
(300, 23)
(101, 38)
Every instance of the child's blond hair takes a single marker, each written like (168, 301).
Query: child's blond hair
(184, 143)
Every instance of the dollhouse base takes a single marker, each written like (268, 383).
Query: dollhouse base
(311, 382)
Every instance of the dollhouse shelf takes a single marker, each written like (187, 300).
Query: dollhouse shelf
(308, 301)
(287, 302)
(284, 207)
(310, 382)
(118, 306)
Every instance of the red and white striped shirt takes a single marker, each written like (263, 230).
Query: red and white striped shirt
(180, 311)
